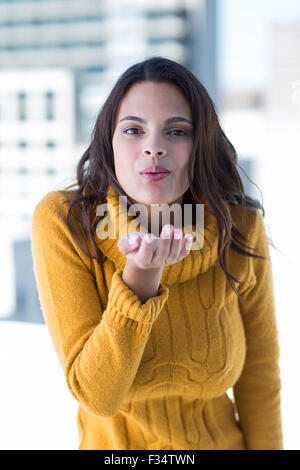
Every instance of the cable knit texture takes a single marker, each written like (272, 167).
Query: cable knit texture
(154, 375)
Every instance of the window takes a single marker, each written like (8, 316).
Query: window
(23, 144)
(22, 105)
(50, 144)
(49, 96)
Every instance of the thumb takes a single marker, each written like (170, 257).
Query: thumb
(128, 243)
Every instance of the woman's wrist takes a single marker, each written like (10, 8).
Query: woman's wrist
(143, 282)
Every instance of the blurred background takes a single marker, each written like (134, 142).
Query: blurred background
(58, 62)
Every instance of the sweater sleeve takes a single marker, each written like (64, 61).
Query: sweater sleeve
(257, 392)
(100, 349)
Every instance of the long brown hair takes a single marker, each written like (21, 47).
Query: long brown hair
(212, 166)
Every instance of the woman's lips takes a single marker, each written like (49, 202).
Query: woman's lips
(154, 176)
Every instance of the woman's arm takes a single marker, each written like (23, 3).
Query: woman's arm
(100, 349)
(144, 283)
(257, 392)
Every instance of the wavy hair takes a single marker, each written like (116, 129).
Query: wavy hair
(213, 166)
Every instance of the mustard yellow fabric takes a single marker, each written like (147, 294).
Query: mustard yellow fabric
(155, 375)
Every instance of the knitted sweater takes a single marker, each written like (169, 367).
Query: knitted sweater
(154, 375)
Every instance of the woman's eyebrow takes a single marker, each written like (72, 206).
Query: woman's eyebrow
(168, 121)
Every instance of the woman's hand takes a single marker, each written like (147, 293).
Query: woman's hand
(169, 250)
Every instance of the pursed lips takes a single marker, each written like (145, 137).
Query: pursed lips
(155, 170)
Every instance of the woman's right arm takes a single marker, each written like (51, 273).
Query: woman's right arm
(145, 264)
(144, 283)
(99, 349)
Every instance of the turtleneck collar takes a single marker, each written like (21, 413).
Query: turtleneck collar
(117, 223)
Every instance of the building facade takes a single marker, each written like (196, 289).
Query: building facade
(58, 61)
(98, 39)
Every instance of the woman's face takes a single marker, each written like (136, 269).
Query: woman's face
(137, 145)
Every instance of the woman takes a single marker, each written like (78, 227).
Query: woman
(151, 337)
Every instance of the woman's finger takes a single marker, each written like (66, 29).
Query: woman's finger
(164, 246)
(128, 244)
(145, 254)
(176, 245)
(186, 245)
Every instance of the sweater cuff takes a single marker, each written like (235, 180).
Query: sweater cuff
(124, 305)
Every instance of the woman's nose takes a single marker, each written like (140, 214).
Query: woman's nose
(154, 150)
(149, 151)
(154, 146)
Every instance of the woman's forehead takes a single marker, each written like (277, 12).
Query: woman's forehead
(147, 97)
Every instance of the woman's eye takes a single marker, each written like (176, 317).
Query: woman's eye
(176, 132)
(131, 129)
(182, 132)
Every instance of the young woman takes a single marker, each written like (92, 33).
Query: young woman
(151, 337)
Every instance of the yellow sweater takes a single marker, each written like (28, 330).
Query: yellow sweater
(155, 375)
